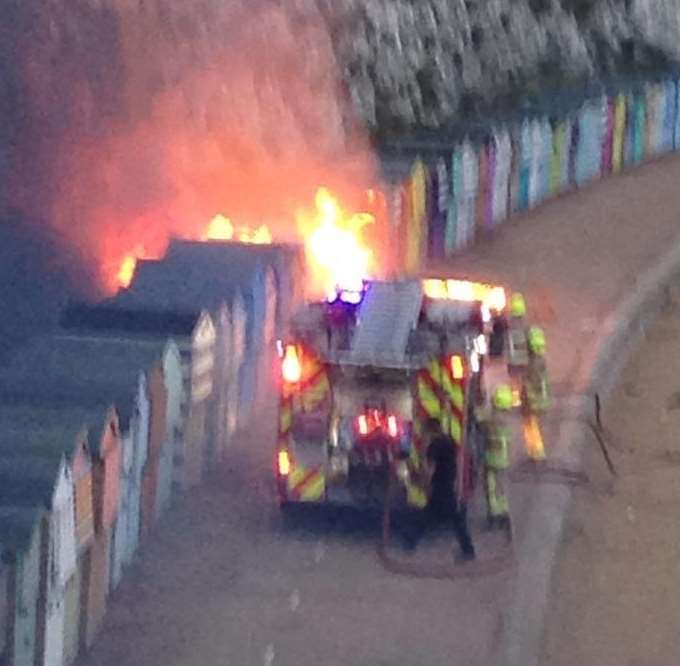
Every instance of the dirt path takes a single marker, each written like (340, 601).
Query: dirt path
(616, 591)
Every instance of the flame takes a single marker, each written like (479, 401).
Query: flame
(128, 265)
(259, 236)
(127, 270)
(336, 252)
(221, 228)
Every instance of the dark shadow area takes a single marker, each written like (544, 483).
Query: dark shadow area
(38, 273)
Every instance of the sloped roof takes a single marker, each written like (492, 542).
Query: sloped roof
(28, 481)
(229, 252)
(284, 258)
(75, 371)
(45, 432)
(17, 525)
(112, 317)
(194, 276)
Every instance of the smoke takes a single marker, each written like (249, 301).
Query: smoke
(133, 121)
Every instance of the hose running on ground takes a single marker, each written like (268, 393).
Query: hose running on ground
(445, 571)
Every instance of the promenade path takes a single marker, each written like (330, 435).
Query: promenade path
(222, 582)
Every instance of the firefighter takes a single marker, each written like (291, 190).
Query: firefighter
(536, 394)
(496, 430)
(442, 507)
(517, 311)
(536, 387)
(517, 346)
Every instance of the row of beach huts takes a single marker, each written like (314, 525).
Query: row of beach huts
(107, 421)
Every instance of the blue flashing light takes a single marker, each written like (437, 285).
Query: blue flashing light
(349, 296)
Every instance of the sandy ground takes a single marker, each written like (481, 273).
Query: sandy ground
(616, 591)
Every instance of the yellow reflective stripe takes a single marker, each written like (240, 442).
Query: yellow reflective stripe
(296, 475)
(456, 429)
(316, 393)
(314, 489)
(457, 397)
(454, 391)
(285, 418)
(428, 399)
(435, 371)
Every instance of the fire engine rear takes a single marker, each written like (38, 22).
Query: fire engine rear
(361, 373)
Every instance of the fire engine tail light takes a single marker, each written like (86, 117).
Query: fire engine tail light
(291, 368)
(375, 421)
(283, 462)
(457, 369)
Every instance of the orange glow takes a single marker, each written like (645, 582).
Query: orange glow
(337, 255)
(336, 252)
(435, 289)
(492, 297)
(246, 134)
(259, 236)
(221, 228)
(127, 270)
(291, 368)
(128, 265)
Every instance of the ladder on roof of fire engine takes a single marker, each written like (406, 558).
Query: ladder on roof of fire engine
(387, 316)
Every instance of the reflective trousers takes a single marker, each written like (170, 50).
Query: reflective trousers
(497, 501)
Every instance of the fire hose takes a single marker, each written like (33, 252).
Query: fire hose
(536, 471)
(544, 472)
(450, 571)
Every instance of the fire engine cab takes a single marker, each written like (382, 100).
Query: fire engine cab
(360, 374)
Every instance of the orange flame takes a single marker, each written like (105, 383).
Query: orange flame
(221, 228)
(336, 252)
(127, 267)
(127, 270)
(259, 236)
(337, 255)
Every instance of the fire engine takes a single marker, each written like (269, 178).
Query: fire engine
(361, 372)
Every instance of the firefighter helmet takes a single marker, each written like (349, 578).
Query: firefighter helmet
(537, 341)
(518, 307)
(502, 397)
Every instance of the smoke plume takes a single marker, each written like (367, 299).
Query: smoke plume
(131, 121)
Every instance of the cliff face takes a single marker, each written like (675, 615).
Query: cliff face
(426, 62)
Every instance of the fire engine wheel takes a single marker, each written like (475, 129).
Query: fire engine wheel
(289, 513)
(450, 571)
